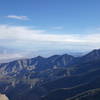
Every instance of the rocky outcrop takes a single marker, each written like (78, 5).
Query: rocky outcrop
(3, 97)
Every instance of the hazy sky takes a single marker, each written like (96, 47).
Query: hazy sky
(50, 24)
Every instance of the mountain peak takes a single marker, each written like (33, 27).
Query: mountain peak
(39, 57)
(91, 56)
(95, 52)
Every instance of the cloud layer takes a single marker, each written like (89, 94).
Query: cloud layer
(26, 37)
(17, 17)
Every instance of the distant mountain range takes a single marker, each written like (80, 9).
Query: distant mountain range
(59, 77)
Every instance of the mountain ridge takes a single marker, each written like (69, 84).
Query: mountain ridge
(42, 75)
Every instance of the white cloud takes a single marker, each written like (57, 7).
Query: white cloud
(18, 17)
(25, 33)
(27, 37)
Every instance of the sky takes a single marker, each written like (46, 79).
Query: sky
(49, 25)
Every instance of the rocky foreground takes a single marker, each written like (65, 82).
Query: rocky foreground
(3, 97)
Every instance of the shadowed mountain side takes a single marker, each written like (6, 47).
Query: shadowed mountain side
(76, 86)
(88, 95)
(72, 81)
